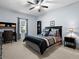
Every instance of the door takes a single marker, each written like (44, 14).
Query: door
(22, 28)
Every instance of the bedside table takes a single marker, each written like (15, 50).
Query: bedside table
(70, 42)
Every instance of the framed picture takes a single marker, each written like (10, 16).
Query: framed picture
(52, 23)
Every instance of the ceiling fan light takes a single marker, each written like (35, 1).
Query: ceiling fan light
(38, 7)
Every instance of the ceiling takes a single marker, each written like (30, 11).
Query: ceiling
(23, 7)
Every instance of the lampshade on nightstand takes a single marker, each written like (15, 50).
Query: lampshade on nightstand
(71, 33)
(71, 29)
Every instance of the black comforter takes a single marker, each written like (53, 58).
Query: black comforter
(38, 41)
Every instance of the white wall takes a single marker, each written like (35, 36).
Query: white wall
(11, 16)
(67, 17)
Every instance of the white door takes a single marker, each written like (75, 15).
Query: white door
(23, 28)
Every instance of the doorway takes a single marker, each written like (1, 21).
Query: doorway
(22, 28)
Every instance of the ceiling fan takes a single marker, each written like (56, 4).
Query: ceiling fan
(37, 4)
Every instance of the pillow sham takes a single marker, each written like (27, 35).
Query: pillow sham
(52, 32)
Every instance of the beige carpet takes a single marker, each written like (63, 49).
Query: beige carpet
(17, 50)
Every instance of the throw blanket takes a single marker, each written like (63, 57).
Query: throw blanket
(50, 40)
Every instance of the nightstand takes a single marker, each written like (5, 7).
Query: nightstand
(70, 42)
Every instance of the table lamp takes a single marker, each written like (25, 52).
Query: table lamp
(71, 30)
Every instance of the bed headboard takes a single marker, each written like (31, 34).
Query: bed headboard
(56, 27)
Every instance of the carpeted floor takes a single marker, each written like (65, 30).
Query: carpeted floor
(17, 50)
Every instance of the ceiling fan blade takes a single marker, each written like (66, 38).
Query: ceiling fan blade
(37, 1)
(30, 2)
(31, 8)
(44, 6)
(42, 1)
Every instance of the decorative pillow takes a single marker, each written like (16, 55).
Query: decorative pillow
(46, 33)
(52, 32)
(43, 33)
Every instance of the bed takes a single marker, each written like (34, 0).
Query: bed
(51, 36)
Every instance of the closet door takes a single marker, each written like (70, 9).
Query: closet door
(38, 27)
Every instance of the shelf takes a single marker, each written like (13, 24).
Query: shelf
(4, 25)
(13, 26)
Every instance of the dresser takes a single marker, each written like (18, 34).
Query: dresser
(8, 31)
(7, 36)
(70, 42)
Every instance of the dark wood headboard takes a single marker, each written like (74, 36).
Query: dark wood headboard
(56, 27)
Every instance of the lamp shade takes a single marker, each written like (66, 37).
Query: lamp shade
(71, 33)
(71, 29)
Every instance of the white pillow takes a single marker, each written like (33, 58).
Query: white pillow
(51, 33)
